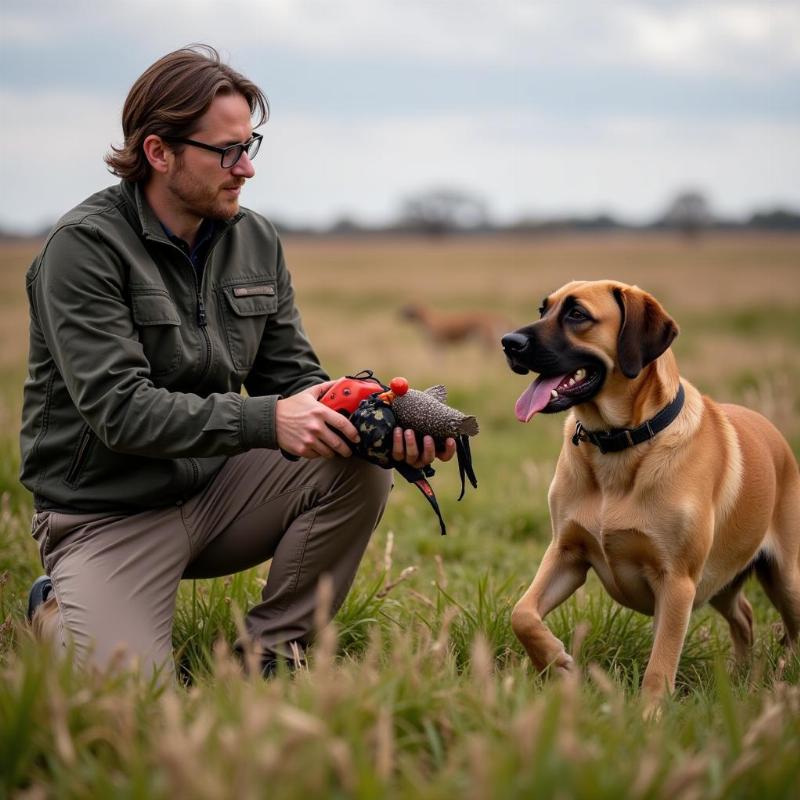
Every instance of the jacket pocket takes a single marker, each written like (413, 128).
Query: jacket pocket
(80, 457)
(159, 331)
(246, 306)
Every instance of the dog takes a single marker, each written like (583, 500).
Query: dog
(446, 328)
(672, 498)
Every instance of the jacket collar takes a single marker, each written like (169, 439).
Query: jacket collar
(149, 223)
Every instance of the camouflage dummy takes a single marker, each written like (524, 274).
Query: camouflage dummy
(376, 409)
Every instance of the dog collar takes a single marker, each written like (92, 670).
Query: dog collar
(622, 438)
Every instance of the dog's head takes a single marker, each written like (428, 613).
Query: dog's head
(411, 312)
(588, 332)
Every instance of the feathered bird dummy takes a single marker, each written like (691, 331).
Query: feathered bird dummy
(376, 410)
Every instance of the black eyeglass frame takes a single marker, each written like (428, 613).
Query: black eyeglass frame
(244, 147)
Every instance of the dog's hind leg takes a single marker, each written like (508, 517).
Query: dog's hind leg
(781, 582)
(561, 572)
(733, 605)
(779, 570)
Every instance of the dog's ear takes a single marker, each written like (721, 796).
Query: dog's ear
(645, 333)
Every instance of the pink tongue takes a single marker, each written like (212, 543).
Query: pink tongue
(536, 397)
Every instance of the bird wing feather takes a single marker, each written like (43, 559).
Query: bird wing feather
(438, 392)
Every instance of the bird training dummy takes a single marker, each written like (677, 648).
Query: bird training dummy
(376, 409)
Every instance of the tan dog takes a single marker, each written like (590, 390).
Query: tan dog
(671, 498)
(454, 327)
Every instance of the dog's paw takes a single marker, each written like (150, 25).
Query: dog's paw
(564, 664)
(652, 709)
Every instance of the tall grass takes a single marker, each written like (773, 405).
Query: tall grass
(419, 688)
(403, 718)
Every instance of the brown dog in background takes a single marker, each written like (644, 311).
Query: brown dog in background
(454, 327)
(672, 503)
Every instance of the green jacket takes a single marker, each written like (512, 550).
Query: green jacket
(133, 400)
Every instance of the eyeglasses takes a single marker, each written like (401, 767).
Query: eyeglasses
(229, 156)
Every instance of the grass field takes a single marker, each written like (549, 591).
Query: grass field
(420, 689)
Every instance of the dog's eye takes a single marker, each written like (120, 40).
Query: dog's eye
(577, 314)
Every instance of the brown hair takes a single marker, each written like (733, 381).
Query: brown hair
(169, 99)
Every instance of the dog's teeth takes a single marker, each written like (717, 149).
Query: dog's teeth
(571, 382)
(580, 374)
(553, 394)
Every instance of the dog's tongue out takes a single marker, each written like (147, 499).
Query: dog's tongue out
(536, 397)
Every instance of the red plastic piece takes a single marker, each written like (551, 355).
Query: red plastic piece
(345, 395)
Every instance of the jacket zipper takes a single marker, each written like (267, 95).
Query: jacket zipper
(202, 319)
(201, 308)
(80, 456)
(195, 471)
(202, 322)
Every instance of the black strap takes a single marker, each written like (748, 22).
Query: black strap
(419, 478)
(465, 468)
(427, 492)
(622, 438)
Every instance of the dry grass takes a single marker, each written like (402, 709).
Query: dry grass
(426, 694)
(350, 292)
(725, 271)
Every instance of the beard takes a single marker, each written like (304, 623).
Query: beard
(202, 199)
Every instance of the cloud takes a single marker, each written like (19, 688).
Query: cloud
(720, 35)
(538, 106)
(53, 145)
(523, 163)
(733, 38)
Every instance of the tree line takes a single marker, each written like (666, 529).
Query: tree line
(443, 212)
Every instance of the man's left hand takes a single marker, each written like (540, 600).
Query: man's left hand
(404, 448)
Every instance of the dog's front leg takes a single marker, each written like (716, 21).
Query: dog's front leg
(674, 599)
(561, 572)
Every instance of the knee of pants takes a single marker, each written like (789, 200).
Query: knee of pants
(381, 482)
(372, 482)
(367, 482)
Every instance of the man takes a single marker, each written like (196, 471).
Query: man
(152, 303)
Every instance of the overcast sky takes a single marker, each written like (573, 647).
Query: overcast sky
(539, 107)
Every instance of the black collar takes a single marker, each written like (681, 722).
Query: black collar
(621, 438)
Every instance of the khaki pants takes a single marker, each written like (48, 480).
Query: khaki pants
(115, 578)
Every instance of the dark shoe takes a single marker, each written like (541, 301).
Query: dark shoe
(268, 663)
(40, 591)
(271, 666)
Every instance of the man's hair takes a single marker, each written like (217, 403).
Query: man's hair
(170, 98)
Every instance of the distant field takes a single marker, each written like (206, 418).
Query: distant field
(430, 695)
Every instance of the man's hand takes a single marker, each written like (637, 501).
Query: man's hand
(404, 448)
(308, 428)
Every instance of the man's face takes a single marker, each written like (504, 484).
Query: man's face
(197, 182)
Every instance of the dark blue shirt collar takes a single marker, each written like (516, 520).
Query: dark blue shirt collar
(197, 254)
(204, 234)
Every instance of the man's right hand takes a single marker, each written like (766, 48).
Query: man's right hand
(304, 425)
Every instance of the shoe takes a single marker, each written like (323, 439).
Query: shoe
(40, 591)
(272, 665)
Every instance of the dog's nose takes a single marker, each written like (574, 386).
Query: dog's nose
(514, 342)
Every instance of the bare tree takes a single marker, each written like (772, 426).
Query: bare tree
(441, 211)
(689, 213)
